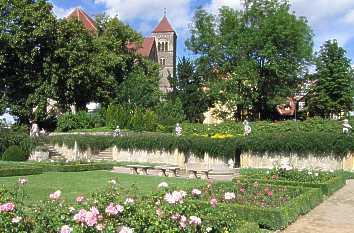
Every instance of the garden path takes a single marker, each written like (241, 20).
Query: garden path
(336, 214)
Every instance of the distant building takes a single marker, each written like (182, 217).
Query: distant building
(160, 47)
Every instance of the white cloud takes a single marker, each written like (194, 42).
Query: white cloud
(215, 5)
(349, 17)
(178, 11)
(61, 12)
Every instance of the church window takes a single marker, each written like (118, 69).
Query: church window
(162, 61)
(159, 46)
(166, 46)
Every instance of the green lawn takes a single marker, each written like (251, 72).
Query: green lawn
(73, 184)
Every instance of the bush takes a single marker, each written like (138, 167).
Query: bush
(22, 171)
(117, 115)
(70, 121)
(169, 113)
(15, 153)
(15, 136)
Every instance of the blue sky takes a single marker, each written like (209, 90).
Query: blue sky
(330, 19)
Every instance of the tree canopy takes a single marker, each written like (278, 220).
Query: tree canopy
(333, 82)
(252, 58)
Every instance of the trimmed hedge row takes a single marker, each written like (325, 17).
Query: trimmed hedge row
(151, 142)
(326, 188)
(270, 218)
(41, 168)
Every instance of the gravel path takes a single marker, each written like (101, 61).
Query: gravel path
(336, 214)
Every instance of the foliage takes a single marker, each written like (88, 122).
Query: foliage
(71, 121)
(169, 113)
(115, 211)
(333, 82)
(187, 86)
(14, 153)
(15, 136)
(117, 115)
(327, 182)
(253, 56)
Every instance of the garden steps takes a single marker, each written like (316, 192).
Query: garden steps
(104, 155)
(54, 154)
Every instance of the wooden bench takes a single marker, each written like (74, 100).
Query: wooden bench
(134, 169)
(172, 171)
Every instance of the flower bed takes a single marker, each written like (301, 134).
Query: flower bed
(111, 211)
(328, 182)
(272, 207)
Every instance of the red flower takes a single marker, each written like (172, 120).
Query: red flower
(242, 190)
(270, 193)
(274, 177)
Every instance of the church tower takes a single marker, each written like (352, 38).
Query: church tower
(166, 43)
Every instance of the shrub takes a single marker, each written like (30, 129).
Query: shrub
(21, 171)
(15, 136)
(15, 153)
(169, 113)
(117, 115)
(70, 121)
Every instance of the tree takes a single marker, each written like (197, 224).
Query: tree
(332, 91)
(251, 57)
(188, 88)
(26, 40)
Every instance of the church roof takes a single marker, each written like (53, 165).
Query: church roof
(164, 26)
(145, 48)
(81, 15)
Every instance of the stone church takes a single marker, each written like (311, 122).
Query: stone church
(160, 47)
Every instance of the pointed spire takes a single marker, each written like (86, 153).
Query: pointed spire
(164, 26)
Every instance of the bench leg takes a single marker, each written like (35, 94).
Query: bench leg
(134, 171)
(144, 171)
(173, 173)
(162, 173)
(205, 176)
(193, 175)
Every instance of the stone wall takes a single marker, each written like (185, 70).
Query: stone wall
(311, 161)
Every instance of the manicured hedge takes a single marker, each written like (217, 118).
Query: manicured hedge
(326, 188)
(151, 142)
(22, 171)
(270, 218)
(35, 169)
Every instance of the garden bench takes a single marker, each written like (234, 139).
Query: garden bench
(193, 173)
(172, 171)
(134, 168)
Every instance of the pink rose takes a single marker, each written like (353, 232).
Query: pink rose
(66, 229)
(80, 199)
(55, 196)
(213, 202)
(7, 207)
(270, 193)
(100, 227)
(196, 192)
(16, 219)
(125, 230)
(193, 220)
(183, 222)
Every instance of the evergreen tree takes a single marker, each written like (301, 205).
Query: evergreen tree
(188, 88)
(332, 91)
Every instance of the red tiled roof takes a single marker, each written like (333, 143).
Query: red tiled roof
(164, 26)
(81, 15)
(145, 48)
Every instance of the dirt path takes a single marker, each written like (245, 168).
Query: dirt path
(334, 215)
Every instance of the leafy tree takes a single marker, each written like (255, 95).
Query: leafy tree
(188, 88)
(251, 57)
(26, 40)
(141, 88)
(332, 91)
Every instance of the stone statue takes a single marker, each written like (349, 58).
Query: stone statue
(247, 128)
(178, 130)
(34, 130)
(346, 126)
(117, 132)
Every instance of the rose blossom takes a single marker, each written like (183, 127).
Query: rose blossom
(129, 200)
(213, 202)
(242, 190)
(175, 216)
(196, 192)
(230, 196)
(55, 196)
(175, 197)
(158, 212)
(22, 181)
(183, 222)
(270, 193)
(125, 230)
(16, 219)
(66, 229)
(100, 227)
(163, 185)
(193, 220)
(80, 216)
(112, 209)
(7, 207)
(112, 182)
(80, 199)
